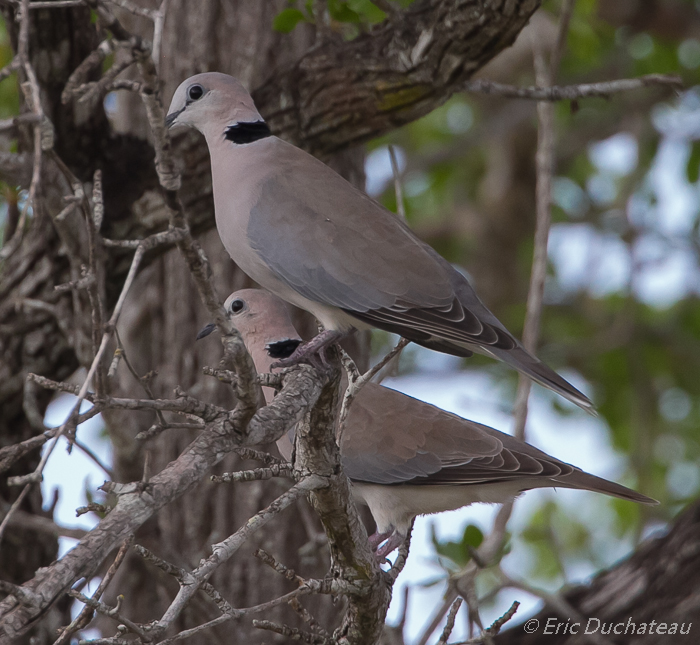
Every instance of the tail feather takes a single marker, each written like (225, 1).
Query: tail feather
(585, 481)
(538, 371)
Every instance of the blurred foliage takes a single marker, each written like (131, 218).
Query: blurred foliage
(456, 555)
(623, 292)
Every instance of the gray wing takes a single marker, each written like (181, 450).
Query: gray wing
(391, 438)
(332, 244)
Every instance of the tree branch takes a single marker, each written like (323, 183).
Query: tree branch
(573, 92)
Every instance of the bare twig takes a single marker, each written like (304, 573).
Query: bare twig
(307, 617)
(228, 376)
(57, 4)
(450, 625)
(13, 508)
(257, 455)
(494, 629)
(544, 162)
(567, 11)
(573, 92)
(356, 383)
(110, 612)
(93, 91)
(10, 454)
(91, 455)
(499, 622)
(92, 507)
(87, 67)
(270, 561)
(182, 576)
(31, 522)
(86, 613)
(555, 601)
(71, 420)
(225, 549)
(125, 84)
(134, 507)
(371, 373)
(275, 470)
(142, 381)
(158, 22)
(187, 633)
(292, 633)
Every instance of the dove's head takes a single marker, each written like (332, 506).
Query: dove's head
(264, 323)
(217, 105)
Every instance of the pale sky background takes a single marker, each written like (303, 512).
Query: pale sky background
(584, 258)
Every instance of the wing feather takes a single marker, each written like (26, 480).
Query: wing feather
(391, 438)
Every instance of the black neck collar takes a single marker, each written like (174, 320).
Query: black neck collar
(282, 348)
(247, 132)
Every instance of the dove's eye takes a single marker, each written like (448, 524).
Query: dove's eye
(237, 306)
(195, 92)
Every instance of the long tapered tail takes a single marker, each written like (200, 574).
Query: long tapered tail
(584, 481)
(538, 371)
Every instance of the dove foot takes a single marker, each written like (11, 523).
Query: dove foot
(377, 538)
(313, 352)
(394, 541)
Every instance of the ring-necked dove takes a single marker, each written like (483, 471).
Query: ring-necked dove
(405, 457)
(300, 230)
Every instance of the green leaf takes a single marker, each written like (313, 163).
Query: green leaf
(287, 19)
(367, 10)
(472, 537)
(459, 552)
(341, 12)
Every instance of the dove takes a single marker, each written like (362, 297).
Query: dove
(404, 457)
(301, 231)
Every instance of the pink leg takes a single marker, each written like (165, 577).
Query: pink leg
(376, 539)
(394, 542)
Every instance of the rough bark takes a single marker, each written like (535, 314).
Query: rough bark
(659, 582)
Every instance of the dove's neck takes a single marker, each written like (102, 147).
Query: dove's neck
(266, 349)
